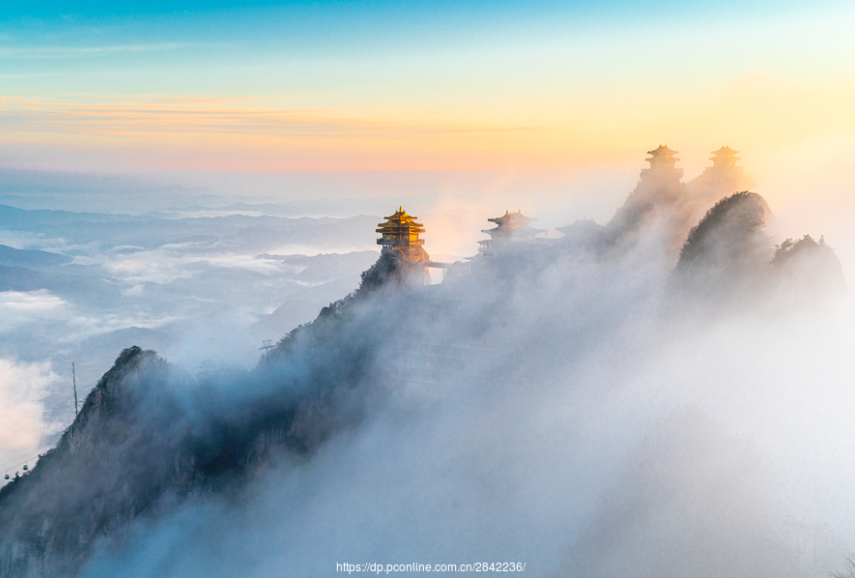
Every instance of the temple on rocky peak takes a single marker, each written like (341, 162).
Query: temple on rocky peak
(662, 161)
(724, 158)
(400, 237)
(400, 231)
(511, 227)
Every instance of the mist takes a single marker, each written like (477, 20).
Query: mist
(567, 467)
(665, 395)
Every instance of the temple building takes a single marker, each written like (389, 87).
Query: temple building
(400, 236)
(724, 167)
(724, 158)
(400, 233)
(511, 228)
(582, 231)
(662, 161)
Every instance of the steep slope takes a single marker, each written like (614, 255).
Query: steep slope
(148, 435)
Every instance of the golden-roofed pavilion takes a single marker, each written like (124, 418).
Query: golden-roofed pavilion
(400, 230)
(399, 236)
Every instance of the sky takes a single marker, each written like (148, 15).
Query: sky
(437, 86)
(364, 99)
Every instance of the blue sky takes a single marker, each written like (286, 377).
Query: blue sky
(415, 85)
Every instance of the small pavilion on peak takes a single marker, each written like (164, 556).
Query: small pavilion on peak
(662, 163)
(724, 158)
(724, 171)
(662, 157)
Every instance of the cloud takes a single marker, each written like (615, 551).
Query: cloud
(43, 313)
(34, 302)
(83, 326)
(171, 262)
(42, 242)
(19, 308)
(205, 129)
(23, 427)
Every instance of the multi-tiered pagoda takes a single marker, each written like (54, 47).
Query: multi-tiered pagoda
(511, 228)
(400, 237)
(724, 158)
(662, 161)
(401, 233)
(724, 169)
